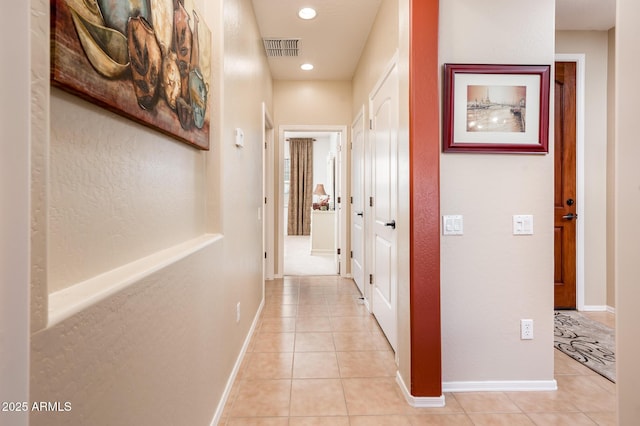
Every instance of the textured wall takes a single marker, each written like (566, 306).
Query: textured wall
(118, 191)
(112, 192)
(14, 214)
(490, 278)
(149, 355)
(627, 210)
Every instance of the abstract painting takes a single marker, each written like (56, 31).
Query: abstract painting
(148, 60)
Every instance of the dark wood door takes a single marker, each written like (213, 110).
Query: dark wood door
(565, 201)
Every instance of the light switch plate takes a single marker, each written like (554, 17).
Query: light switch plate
(239, 137)
(452, 224)
(522, 224)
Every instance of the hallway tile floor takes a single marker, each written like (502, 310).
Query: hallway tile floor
(317, 357)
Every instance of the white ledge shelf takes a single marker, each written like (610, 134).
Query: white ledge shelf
(67, 302)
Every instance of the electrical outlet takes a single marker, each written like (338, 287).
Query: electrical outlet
(238, 312)
(526, 329)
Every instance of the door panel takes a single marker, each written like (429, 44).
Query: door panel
(565, 201)
(384, 146)
(357, 204)
(383, 272)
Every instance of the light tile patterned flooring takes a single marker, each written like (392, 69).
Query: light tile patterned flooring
(318, 358)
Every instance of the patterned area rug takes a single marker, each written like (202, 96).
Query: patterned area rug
(587, 341)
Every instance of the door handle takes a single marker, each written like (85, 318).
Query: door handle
(360, 214)
(570, 216)
(391, 224)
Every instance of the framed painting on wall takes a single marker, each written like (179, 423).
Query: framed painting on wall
(147, 60)
(496, 108)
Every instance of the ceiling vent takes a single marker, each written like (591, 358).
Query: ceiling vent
(281, 46)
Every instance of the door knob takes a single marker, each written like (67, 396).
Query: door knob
(391, 224)
(570, 201)
(570, 216)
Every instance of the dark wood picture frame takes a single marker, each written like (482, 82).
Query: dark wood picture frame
(149, 61)
(496, 108)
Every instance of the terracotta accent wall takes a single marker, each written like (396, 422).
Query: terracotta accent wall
(424, 148)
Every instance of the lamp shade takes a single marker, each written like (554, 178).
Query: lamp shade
(319, 190)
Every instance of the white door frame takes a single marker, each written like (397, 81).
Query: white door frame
(342, 191)
(268, 207)
(579, 59)
(360, 118)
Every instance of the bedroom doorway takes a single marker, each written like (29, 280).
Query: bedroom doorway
(310, 239)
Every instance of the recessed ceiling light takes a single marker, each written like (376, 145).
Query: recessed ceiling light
(306, 67)
(307, 13)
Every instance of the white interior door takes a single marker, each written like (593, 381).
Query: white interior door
(269, 207)
(384, 147)
(357, 201)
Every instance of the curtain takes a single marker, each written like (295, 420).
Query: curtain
(300, 186)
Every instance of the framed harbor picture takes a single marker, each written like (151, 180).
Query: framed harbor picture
(147, 60)
(496, 108)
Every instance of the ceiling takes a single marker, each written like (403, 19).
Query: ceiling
(585, 14)
(334, 39)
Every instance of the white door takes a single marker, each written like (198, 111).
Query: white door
(357, 201)
(268, 208)
(384, 147)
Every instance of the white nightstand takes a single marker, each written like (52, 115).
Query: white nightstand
(323, 240)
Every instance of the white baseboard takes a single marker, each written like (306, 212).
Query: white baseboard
(611, 309)
(419, 401)
(501, 386)
(594, 308)
(236, 368)
(322, 252)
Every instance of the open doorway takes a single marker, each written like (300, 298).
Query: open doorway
(330, 166)
(311, 222)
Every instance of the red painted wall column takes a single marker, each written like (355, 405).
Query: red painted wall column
(424, 145)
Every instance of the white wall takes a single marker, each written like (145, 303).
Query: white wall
(381, 46)
(113, 192)
(627, 210)
(490, 278)
(321, 149)
(611, 162)
(14, 214)
(594, 45)
(306, 103)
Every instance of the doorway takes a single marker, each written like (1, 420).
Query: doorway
(319, 252)
(565, 193)
(577, 207)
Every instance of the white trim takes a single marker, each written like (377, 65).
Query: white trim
(501, 386)
(594, 308)
(579, 59)
(342, 242)
(268, 191)
(236, 368)
(611, 310)
(419, 401)
(69, 301)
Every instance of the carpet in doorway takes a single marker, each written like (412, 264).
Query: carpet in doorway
(588, 342)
